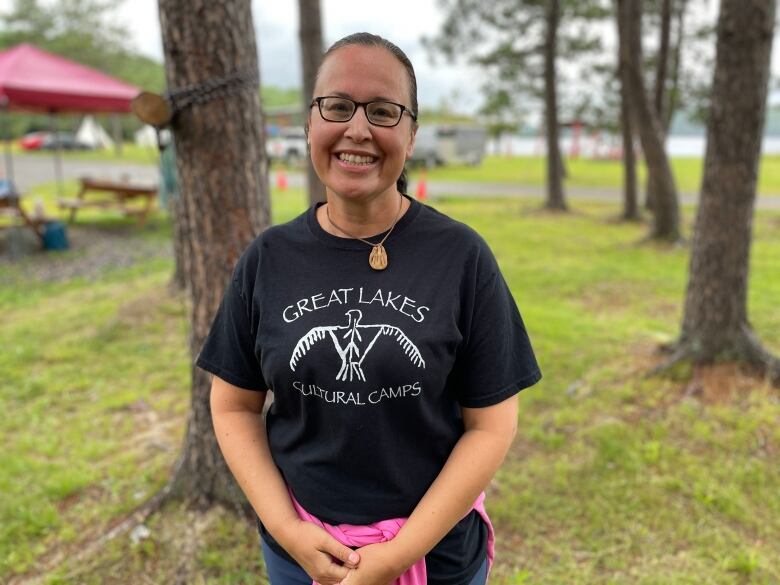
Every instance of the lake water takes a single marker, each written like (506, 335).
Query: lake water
(609, 146)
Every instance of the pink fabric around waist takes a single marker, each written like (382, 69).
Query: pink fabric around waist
(384, 530)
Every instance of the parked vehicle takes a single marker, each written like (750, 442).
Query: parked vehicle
(287, 144)
(439, 144)
(64, 141)
(33, 140)
(50, 141)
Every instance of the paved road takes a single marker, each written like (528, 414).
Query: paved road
(33, 170)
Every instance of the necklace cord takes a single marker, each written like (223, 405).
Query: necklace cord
(372, 244)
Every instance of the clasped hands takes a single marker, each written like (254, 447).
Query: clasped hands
(318, 552)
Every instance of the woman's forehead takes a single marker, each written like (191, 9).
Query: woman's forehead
(363, 73)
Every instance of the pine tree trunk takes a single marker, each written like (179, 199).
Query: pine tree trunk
(310, 36)
(715, 320)
(666, 225)
(676, 58)
(659, 92)
(630, 205)
(224, 203)
(556, 198)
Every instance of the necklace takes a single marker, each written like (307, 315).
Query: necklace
(378, 257)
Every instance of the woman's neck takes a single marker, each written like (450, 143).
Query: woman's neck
(359, 218)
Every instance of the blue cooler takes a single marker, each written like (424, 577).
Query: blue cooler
(55, 236)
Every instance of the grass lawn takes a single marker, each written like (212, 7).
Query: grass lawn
(613, 478)
(588, 173)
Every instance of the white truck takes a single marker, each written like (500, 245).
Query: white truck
(288, 144)
(441, 144)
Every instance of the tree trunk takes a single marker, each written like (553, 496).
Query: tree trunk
(671, 95)
(310, 36)
(663, 57)
(659, 93)
(715, 323)
(630, 206)
(224, 203)
(666, 224)
(556, 198)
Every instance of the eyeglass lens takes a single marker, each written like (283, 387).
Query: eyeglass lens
(335, 109)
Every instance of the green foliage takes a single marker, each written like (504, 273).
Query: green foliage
(273, 96)
(507, 38)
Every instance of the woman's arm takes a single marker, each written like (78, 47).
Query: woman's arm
(237, 415)
(472, 464)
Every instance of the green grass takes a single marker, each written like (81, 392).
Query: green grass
(612, 479)
(586, 173)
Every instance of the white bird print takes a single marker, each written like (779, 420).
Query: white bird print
(351, 355)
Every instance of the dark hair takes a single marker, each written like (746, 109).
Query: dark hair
(370, 40)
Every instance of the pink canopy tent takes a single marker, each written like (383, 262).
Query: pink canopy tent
(37, 81)
(32, 79)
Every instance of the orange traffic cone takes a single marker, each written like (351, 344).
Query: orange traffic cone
(281, 181)
(422, 186)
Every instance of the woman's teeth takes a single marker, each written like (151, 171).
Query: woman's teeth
(355, 159)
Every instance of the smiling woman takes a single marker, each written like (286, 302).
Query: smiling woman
(395, 380)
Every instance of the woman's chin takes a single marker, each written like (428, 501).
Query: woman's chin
(352, 191)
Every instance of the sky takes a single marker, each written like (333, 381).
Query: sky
(403, 22)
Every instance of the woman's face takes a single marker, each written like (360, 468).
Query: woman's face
(362, 74)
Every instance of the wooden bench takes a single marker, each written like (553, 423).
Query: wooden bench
(11, 206)
(119, 195)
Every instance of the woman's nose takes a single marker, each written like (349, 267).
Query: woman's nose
(358, 128)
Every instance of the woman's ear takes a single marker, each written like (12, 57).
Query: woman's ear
(410, 146)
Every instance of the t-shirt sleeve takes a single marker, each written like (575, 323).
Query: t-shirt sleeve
(496, 359)
(230, 350)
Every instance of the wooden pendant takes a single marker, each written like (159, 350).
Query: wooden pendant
(378, 258)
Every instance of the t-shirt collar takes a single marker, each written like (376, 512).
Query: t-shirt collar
(355, 244)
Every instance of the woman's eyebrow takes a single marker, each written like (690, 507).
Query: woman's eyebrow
(379, 98)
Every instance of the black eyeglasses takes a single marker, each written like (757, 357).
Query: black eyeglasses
(379, 113)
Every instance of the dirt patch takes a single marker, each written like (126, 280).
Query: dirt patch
(724, 383)
(94, 249)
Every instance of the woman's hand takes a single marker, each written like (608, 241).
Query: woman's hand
(315, 549)
(379, 565)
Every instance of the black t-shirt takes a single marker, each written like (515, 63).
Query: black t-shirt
(369, 368)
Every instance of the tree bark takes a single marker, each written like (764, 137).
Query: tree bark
(310, 35)
(630, 205)
(674, 83)
(666, 224)
(715, 324)
(661, 75)
(556, 198)
(224, 203)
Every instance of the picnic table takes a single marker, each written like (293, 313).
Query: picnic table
(120, 194)
(10, 205)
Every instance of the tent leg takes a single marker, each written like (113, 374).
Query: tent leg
(57, 154)
(9, 161)
(116, 124)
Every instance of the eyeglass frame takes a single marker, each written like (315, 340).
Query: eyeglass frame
(318, 101)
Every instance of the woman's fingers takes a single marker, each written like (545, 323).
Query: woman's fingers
(346, 555)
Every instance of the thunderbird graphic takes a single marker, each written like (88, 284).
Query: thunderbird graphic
(352, 347)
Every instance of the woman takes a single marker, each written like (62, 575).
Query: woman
(392, 345)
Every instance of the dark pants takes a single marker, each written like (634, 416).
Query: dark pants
(282, 572)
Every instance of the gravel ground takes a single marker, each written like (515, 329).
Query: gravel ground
(94, 249)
